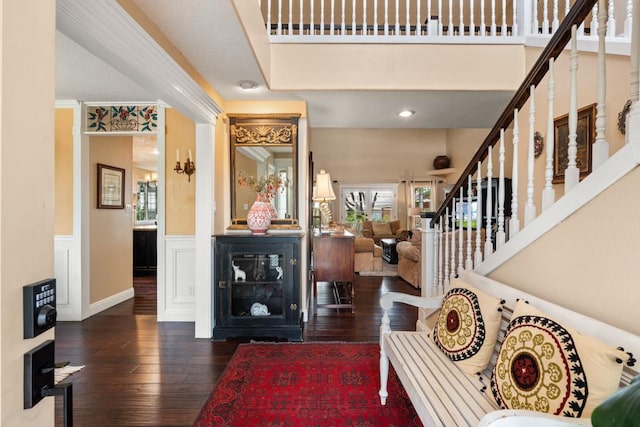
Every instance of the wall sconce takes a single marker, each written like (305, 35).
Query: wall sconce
(189, 167)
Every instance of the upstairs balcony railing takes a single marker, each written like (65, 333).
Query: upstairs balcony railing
(431, 21)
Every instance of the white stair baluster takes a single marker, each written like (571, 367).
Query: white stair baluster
(628, 20)
(483, 26)
(269, 17)
(555, 23)
(545, 16)
(472, 19)
(468, 259)
(611, 22)
(572, 174)
(530, 209)
(279, 28)
(601, 146)
(493, 18)
(354, 29)
(434, 266)
(461, 234)
(594, 21)
(375, 18)
(312, 25)
(514, 24)
(365, 26)
(500, 234)
(290, 18)
(566, 7)
(478, 253)
(514, 222)
(418, 20)
(440, 19)
(461, 23)
(440, 260)
(446, 248)
(488, 243)
(343, 20)
(397, 17)
(386, 17)
(450, 26)
(322, 17)
(549, 194)
(503, 28)
(534, 18)
(407, 20)
(332, 19)
(453, 240)
(301, 23)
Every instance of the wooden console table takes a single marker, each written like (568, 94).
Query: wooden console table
(333, 262)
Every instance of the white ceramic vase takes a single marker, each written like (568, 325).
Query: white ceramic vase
(259, 216)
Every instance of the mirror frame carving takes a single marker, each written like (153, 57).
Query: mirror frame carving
(264, 130)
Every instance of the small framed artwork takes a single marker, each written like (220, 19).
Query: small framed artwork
(110, 187)
(585, 135)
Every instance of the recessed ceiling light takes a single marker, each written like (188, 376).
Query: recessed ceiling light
(406, 113)
(247, 84)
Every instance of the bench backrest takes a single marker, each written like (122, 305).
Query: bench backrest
(585, 325)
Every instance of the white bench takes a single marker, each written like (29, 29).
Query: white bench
(444, 395)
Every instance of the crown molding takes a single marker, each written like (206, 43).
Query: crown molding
(107, 31)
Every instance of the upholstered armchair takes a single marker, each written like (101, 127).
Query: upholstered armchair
(380, 230)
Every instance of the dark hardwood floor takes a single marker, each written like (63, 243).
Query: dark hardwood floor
(141, 372)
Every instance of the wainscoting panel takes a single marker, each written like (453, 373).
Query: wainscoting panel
(67, 302)
(178, 298)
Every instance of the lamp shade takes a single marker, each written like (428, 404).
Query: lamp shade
(324, 189)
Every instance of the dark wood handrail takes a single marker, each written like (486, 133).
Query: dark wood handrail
(556, 45)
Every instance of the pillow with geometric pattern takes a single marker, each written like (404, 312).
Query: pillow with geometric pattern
(467, 328)
(547, 367)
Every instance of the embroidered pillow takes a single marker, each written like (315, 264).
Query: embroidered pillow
(547, 367)
(467, 327)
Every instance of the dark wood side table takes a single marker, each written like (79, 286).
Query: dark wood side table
(389, 252)
(333, 262)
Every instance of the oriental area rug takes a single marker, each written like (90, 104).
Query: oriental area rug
(306, 384)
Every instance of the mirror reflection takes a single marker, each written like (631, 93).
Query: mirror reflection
(263, 166)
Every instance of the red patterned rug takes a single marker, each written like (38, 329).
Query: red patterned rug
(310, 384)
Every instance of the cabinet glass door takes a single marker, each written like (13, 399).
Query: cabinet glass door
(257, 285)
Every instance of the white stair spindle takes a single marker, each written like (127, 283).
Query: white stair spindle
(493, 18)
(312, 24)
(332, 18)
(407, 21)
(343, 20)
(545, 16)
(601, 146)
(290, 18)
(483, 26)
(478, 253)
(594, 21)
(488, 242)
(472, 19)
(322, 17)
(530, 209)
(269, 17)
(418, 20)
(572, 174)
(468, 259)
(453, 240)
(397, 18)
(446, 247)
(461, 235)
(549, 194)
(450, 26)
(514, 24)
(611, 22)
(440, 260)
(500, 233)
(440, 18)
(514, 222)
(534, 19)
(279, 28)
(555, 23)
(434, 266)
(386, 17)
(354, 30)
(461, 23)
(628, 20)
(566, 7)
(365, 26)
(375, 18)
(503, 28)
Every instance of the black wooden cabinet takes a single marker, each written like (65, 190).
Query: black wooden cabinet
(145, 257)
(257, 287)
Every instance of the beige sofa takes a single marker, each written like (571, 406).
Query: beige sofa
(368, 255)
(409, 260)
(380, 230)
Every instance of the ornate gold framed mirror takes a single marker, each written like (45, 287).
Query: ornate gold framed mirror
(264, 161)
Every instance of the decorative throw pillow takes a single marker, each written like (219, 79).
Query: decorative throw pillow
(547, 367)
(467, 327)
(381, 228)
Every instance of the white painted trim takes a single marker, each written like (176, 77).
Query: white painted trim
(618, 165)
(109, 302)
(108, 35)
(68, 284)
(121, 133)
(613, 46)
(174, 302)
(303, 216)
(161, 221)
(205, 211)
(382, 39)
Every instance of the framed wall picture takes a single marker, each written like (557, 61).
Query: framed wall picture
(110, 187)
(584, 139)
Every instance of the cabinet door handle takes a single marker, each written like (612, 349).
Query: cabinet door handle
(293, 261)
(222, 284)
(293, 307)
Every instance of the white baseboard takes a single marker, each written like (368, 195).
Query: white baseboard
(109, 302)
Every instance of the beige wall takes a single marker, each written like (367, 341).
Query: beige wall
(589, 262)
(64, 171)
(27, 156)
(180, 194)
(111, 238)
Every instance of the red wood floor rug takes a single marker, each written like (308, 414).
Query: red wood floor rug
(306, 384)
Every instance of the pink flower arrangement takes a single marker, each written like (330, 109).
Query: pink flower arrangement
(267, 185)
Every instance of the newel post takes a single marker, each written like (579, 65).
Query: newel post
(429, 257)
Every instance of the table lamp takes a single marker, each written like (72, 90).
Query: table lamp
(323, 194)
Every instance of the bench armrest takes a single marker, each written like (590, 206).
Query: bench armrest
(387, 300)
(523, 418)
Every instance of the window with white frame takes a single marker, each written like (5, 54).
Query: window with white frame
(375, 202)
